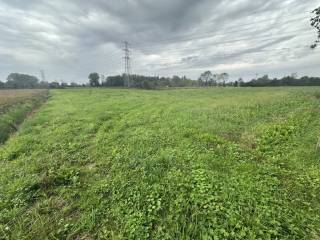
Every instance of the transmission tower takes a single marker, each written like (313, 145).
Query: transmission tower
(43, 76)
(127, 66)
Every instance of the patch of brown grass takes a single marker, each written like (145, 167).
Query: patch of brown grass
(12, 97)
(248, 140)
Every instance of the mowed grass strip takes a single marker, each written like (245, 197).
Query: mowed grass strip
(182, 164)
(15, 105)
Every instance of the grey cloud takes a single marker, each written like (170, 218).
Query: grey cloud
(71, 38)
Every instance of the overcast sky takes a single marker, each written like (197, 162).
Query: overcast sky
(70, 39)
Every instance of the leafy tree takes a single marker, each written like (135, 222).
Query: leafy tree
(222, 78)
(64, 85)
(315, 22)
(94, 79)
(114, 81)
(54, 85)
(148, 85)
(177, 81)
(17, 80)
(215, 80)
(2, 85)
(74, 84)
(43, 84)
(206, 79)
(225, 77)
(237, 83)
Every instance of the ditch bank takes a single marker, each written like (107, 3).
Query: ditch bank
(15, 114)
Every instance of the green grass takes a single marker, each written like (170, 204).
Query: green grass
(15, 106)
(179, 164)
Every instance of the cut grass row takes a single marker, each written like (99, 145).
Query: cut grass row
(15, 105)
(180, 164)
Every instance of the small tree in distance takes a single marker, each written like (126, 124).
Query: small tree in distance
(94, 79)
(240, 82)
(315, 22)
(206, 79)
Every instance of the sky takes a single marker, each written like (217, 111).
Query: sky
(70, 39)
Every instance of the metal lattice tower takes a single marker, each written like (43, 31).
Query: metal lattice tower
(127, 65)
(43, 76)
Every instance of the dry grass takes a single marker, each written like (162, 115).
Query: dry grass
(11, 97)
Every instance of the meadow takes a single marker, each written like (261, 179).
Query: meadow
(15, 105)
(220, 163)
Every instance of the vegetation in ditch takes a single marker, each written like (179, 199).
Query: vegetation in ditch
(15, 105)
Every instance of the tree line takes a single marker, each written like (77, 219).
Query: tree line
(291, 80)
(25, 81)
(206, 79)
(209, 79)
(140, 81)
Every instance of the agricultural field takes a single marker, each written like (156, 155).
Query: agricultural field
(221, 163)
(15, 105)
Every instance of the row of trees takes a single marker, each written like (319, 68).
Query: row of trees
(17, 80)
(139, 81)
(211, 79)
(25, 81)
(292, 80)
(207, 79)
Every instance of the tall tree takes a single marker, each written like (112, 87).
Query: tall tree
(94, 79)
(206, 78)
(224, 78)
(240, 82)
(315, 22)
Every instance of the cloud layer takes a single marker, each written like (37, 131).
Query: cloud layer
(69, 39)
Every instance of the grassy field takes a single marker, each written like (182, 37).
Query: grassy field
(15, 105)
(180, 164)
